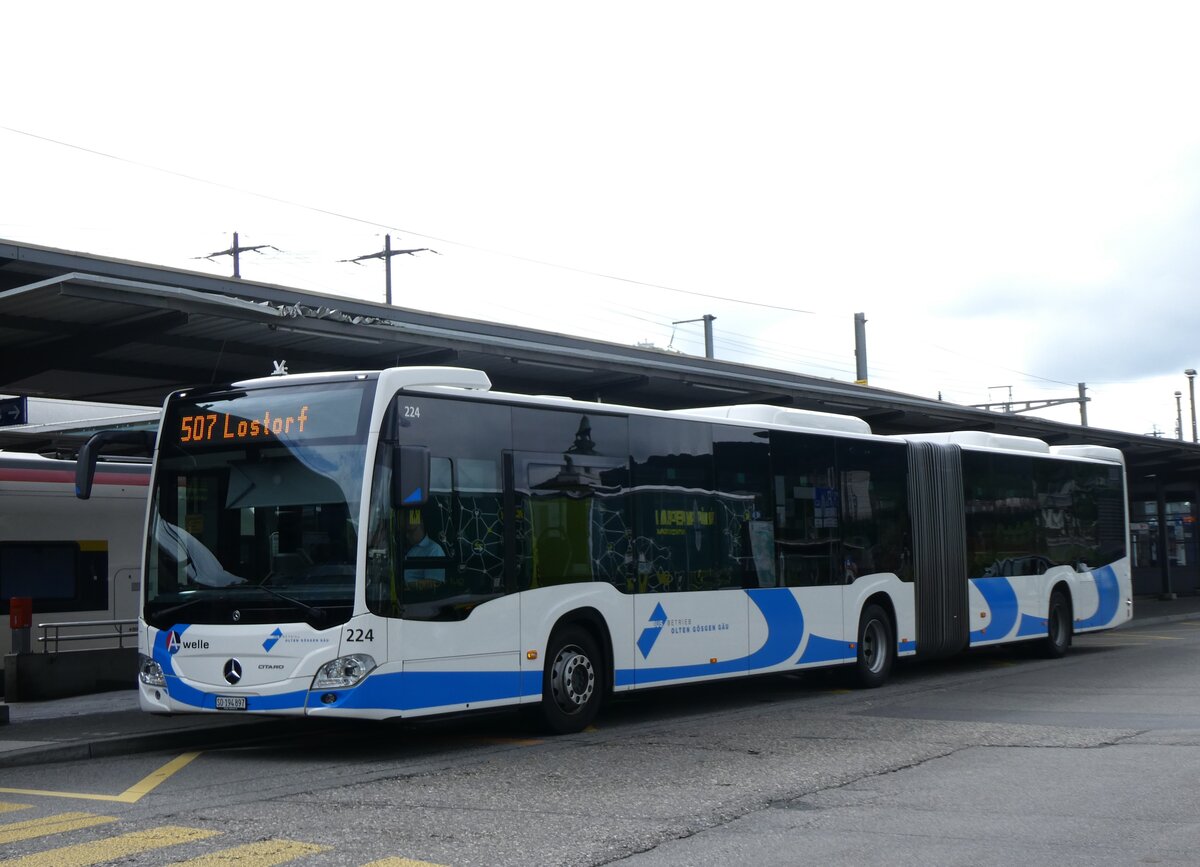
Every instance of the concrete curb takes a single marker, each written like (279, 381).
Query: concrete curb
(147, 742)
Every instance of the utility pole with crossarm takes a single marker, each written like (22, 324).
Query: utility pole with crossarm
(386, 255)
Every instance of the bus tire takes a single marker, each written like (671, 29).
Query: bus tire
(1058, 627)
(572, 681)
(876, 648)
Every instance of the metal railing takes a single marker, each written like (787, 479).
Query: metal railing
(99, 630)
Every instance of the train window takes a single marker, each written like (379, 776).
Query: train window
(57, 576)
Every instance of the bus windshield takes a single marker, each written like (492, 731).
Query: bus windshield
(255, 506)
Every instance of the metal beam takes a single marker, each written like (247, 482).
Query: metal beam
(82, 346)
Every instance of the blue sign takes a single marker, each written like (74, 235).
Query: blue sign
(14, 410)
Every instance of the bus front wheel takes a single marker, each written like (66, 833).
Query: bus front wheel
(572, 682)
(876, 648)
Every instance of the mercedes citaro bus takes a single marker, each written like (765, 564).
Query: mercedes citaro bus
(408, 542)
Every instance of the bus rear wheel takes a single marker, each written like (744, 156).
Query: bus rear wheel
(876, 648)
(1058, 627)
(572, 682)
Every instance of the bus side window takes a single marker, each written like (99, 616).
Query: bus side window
(807, 517)
(746, 557)
(874, 482)
(572, 524)
(58, 576)
(458, 563)
(675, 506)
(570, 483)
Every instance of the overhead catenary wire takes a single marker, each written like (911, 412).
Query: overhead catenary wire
(329, 212)
(349, 217)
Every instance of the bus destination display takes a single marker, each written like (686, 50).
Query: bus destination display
(210, 427)
(325, 414)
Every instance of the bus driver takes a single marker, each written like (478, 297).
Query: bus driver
(421, 548)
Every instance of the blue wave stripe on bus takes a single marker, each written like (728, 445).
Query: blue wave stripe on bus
(181, 692)
(418, 690)
(909, 646)
(1001, 599)
(159, 652)
(1031, 625)
(821, 649)
(1108, 591)
(402, 691)
(280, 701)
(785, 628)
(184, 694)
(176, 688)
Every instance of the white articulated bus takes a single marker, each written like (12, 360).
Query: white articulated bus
(407, 542)
(75, 561)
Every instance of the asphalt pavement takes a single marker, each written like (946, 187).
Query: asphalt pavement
(111, 724)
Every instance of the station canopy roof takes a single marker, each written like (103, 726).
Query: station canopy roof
(88, 328)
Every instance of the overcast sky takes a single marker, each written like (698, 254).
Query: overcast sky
(1009, 191)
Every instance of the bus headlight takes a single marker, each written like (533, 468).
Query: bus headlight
(345, 671)
(150, 672)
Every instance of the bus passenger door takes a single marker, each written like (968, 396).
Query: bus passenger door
(699, 512)
(458, 629)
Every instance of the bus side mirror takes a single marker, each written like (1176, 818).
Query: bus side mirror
(85, 462)
(410, 476)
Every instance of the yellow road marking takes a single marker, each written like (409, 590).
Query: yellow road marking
(143, 787)
(8, 808)
(130, 796)
(113, 848)
(47, 825)
(401, 862)
(264, 853)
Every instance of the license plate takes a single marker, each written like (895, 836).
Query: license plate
(231, 702)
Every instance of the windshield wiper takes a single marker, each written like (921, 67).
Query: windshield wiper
(317, 616)
(187, 603)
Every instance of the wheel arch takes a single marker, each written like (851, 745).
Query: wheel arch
(884, 600)
(591, 620)
(1064, 586)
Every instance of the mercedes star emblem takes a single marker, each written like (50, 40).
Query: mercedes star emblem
(233, 671)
